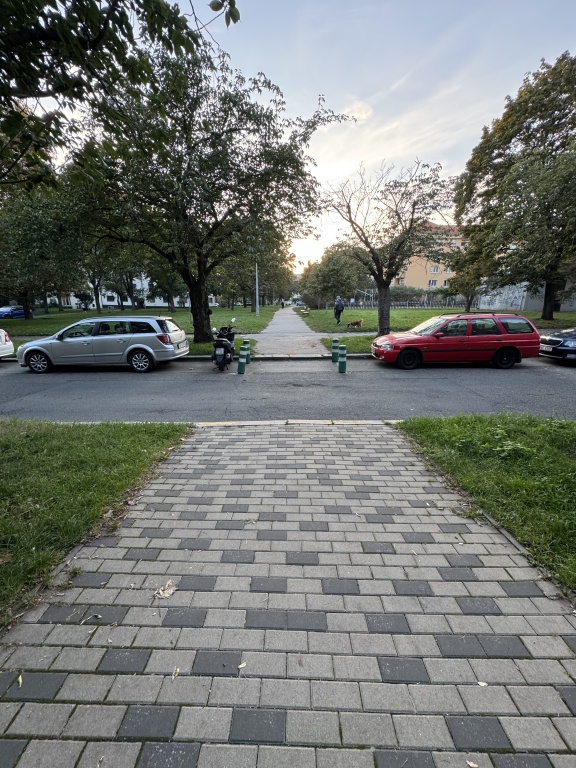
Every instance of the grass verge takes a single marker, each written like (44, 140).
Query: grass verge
(354, 344)
(57, 481)
(518, 469)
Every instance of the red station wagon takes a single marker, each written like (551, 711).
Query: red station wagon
(502, 339)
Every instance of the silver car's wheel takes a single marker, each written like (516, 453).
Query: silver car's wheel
(140, 361)
(38, 362)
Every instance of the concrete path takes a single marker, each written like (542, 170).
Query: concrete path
(332, 610)
(288, 334)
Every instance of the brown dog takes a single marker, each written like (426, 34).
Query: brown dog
(355, 324)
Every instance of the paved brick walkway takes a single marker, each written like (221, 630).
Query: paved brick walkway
(332, 610)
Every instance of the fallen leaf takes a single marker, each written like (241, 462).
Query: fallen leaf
(471, 764)
(241, 666)
(5, 558)
(483, 685)
(175, 673)
(19, 681)
(166, 591)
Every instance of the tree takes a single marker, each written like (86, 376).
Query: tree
(337, 273)
(206, 167)
(389, 221)
(515, 201)
(74, 52)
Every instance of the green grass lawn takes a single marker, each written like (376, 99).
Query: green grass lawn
(56, 483)
(519, 470)
(46, 325)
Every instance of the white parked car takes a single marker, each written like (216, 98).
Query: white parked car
(6, 346)
(135, 340)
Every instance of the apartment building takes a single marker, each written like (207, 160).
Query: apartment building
(421, 272)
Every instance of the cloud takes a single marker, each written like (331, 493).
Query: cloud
(360, 110)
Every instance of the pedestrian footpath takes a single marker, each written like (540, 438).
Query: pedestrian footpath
(293, 595)
(288, 335)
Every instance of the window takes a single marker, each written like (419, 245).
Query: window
(455, 328)
(431, 283)
(447, 271)
(516, 325)
(110, 297)
(434, 269)
(141, 327)
(80, 330)
(485, 326)
(399, 281)
(446, 283)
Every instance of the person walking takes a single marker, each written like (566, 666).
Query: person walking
(338, 309)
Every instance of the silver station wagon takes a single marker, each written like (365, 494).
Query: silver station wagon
(138, 341)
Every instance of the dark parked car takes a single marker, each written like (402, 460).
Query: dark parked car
(12, 311)
(559, 345)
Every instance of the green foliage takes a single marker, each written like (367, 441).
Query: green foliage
(93, 467)
(518, 469)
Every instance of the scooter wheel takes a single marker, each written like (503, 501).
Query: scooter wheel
(221, 366)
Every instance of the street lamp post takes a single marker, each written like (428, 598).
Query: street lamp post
(257, 294)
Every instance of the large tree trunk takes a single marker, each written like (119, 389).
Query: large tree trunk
(200, 315)
(469, 300)
(549, 298)
(383, 308)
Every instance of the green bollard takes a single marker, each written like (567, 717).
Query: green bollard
(246, 344)
(342, 358)
(242, 360)
(335, 343)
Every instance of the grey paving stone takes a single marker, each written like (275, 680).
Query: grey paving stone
(237, 556)
(402, 670)
(204, 724)
(288, 694)
(258, 726)
(235, 692)
(34, 719)
(10, 751)
(490, 700)
(422, 731)
(481, 733)
(230, 525)
(268, 585)
(478, 606)
(184, 690)
(36, 686)
(124, 660)
(416, 587)
(460, 646)
(367, 730)
(386, 697)
(48, 754)
(293, 757)
(217, 663)
(135, 689)
(403, 759)
(93, 721)
(503, 647)
(184, 617)
(169, 756)
(149, 722)
(312, 728)
(197, 583)
(533, 734)
(340, 587)
(335, 695)
(437, 699)
(389, 623)
(227, 756)
(118, 755)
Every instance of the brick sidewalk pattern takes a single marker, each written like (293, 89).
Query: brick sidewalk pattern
(332, 610)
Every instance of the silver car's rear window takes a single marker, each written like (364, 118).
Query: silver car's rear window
(168, 326)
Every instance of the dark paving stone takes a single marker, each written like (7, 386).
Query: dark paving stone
(302, 558)
(169, 756)
(417, 538)
(194, 544)
(156, 533)
(285, 494)
(271, 584)
(387, 623)
(36, 686)
(337, 510)
(340, 587)
(460, 646)
(415, 587)
(481, 733)
(383, 519)
(378, 548)
(242, 481)
(127, 660)
(464, 561)
(403, 759)
(6, 680)
(217, 663)
(235, 507)
(402, 670)
(357, 495)
(521, 761)
(184, 617)
(454, 528)
(311, 526)
(271, 535)
(127, 523)
(570, 641)
(230, 525)
(504, 647)
(105, 541)
(197, 583)
(167, 493)
(10, 751)
(422, 503)
(568, 693)
(457, 574)
(309, 621)
(63, 614)
(389, 510)
(258, 726)
(521, 589)
(237, 556)
(192, 516)
(272, 517)
(148, 722)
(478, 606)
(263, 619)
(91, 579)
(142, 553)
(105, 614)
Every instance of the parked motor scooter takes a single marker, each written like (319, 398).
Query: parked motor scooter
(224, 345)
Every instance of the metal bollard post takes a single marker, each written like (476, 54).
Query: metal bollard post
(342, 358)
(246, 343)
(242, 360)
(335, 343)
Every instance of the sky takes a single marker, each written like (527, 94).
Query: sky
(422, 77)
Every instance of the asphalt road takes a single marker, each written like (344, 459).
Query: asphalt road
(291, 389)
